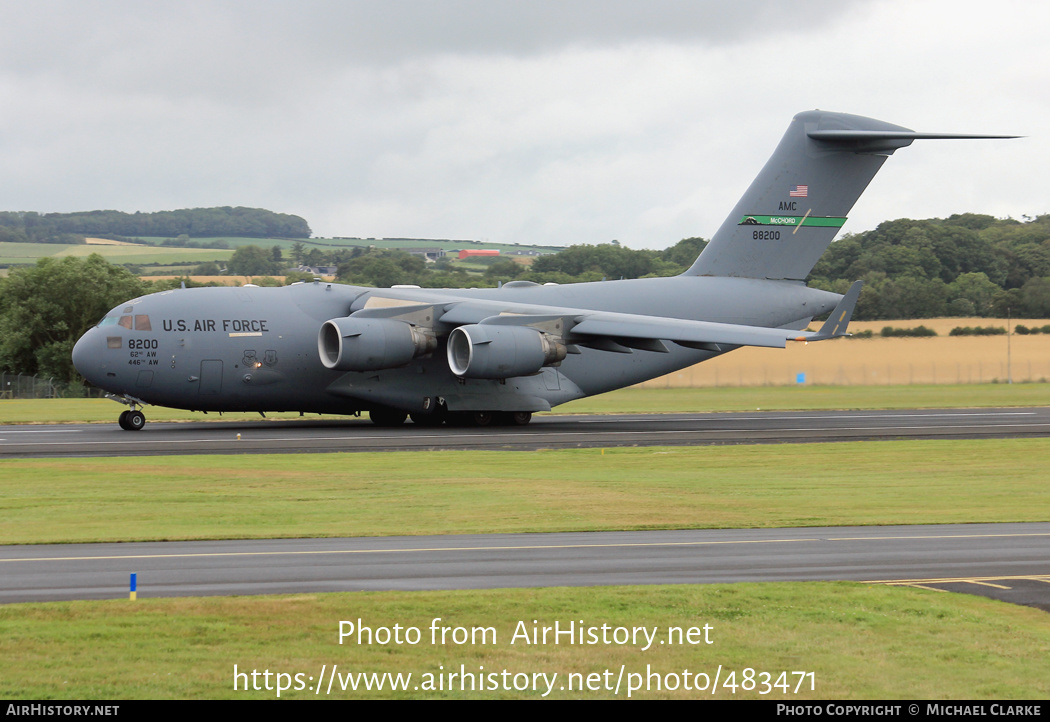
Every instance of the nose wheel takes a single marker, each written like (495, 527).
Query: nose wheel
(132, 420)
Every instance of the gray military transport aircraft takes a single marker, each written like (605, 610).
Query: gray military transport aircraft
(483, 356)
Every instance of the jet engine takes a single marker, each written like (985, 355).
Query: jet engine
(492, 351)
(370, 344)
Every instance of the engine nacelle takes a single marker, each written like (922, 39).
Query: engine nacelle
(370, 344)
(492, 351)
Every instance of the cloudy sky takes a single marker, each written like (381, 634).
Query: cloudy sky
(551, 122)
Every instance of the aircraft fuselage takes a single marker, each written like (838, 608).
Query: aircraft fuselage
(256, 349)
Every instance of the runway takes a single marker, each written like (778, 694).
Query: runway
(314, 435)
(1005, 561)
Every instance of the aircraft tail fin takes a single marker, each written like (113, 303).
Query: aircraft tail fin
(800, 199)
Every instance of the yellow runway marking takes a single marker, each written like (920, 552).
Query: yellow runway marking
(920, 586)
(989, 584)
(957, 580)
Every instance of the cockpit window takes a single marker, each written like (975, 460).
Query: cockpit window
(138, 322)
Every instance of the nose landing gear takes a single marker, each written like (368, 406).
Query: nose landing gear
(131, 420)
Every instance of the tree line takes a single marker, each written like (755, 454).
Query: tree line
(575, 264)
(46, 308)
(239, 222)
(964, 265)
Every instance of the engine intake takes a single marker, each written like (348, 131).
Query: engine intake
(370, 344)
(499, 352)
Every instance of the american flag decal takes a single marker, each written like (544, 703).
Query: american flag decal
(798, 192)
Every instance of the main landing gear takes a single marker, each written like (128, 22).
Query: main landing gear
(387, 417)
(392, 417)
(482, 418)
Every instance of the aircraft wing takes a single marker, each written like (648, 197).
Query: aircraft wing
(701, 334)
(618, 331)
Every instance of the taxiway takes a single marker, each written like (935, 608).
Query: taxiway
(1005, 561)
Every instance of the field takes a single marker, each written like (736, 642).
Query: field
(327, 244)
(107, 242)
(151, 250)
(446, 244)
(221, 280)
(171, 261)
(28, 253)
(877, 361)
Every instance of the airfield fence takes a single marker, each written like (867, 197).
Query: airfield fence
(25, 386)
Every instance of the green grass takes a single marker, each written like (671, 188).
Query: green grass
(177, 269)
(635, 401)
(858, 642)
(463, 492)
(142, 256)
(28, 253)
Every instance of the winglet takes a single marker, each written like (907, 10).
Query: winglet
(839, 319)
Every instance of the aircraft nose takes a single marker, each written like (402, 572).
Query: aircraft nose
(86, 356)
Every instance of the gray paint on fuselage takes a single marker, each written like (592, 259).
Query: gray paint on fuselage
(223, 325)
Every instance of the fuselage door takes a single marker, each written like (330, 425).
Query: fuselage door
(211, 377)
(552, 379)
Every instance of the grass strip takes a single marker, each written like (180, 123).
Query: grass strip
(459, 492)
(858, 642)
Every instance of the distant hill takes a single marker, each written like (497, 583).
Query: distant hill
(32, 227)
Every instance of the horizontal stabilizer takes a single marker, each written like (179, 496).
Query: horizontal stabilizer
(839, 319)
(887, 141)
(844, 135)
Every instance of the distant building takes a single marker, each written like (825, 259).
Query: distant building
(479, 252)
(429, 254)
(319, 270)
